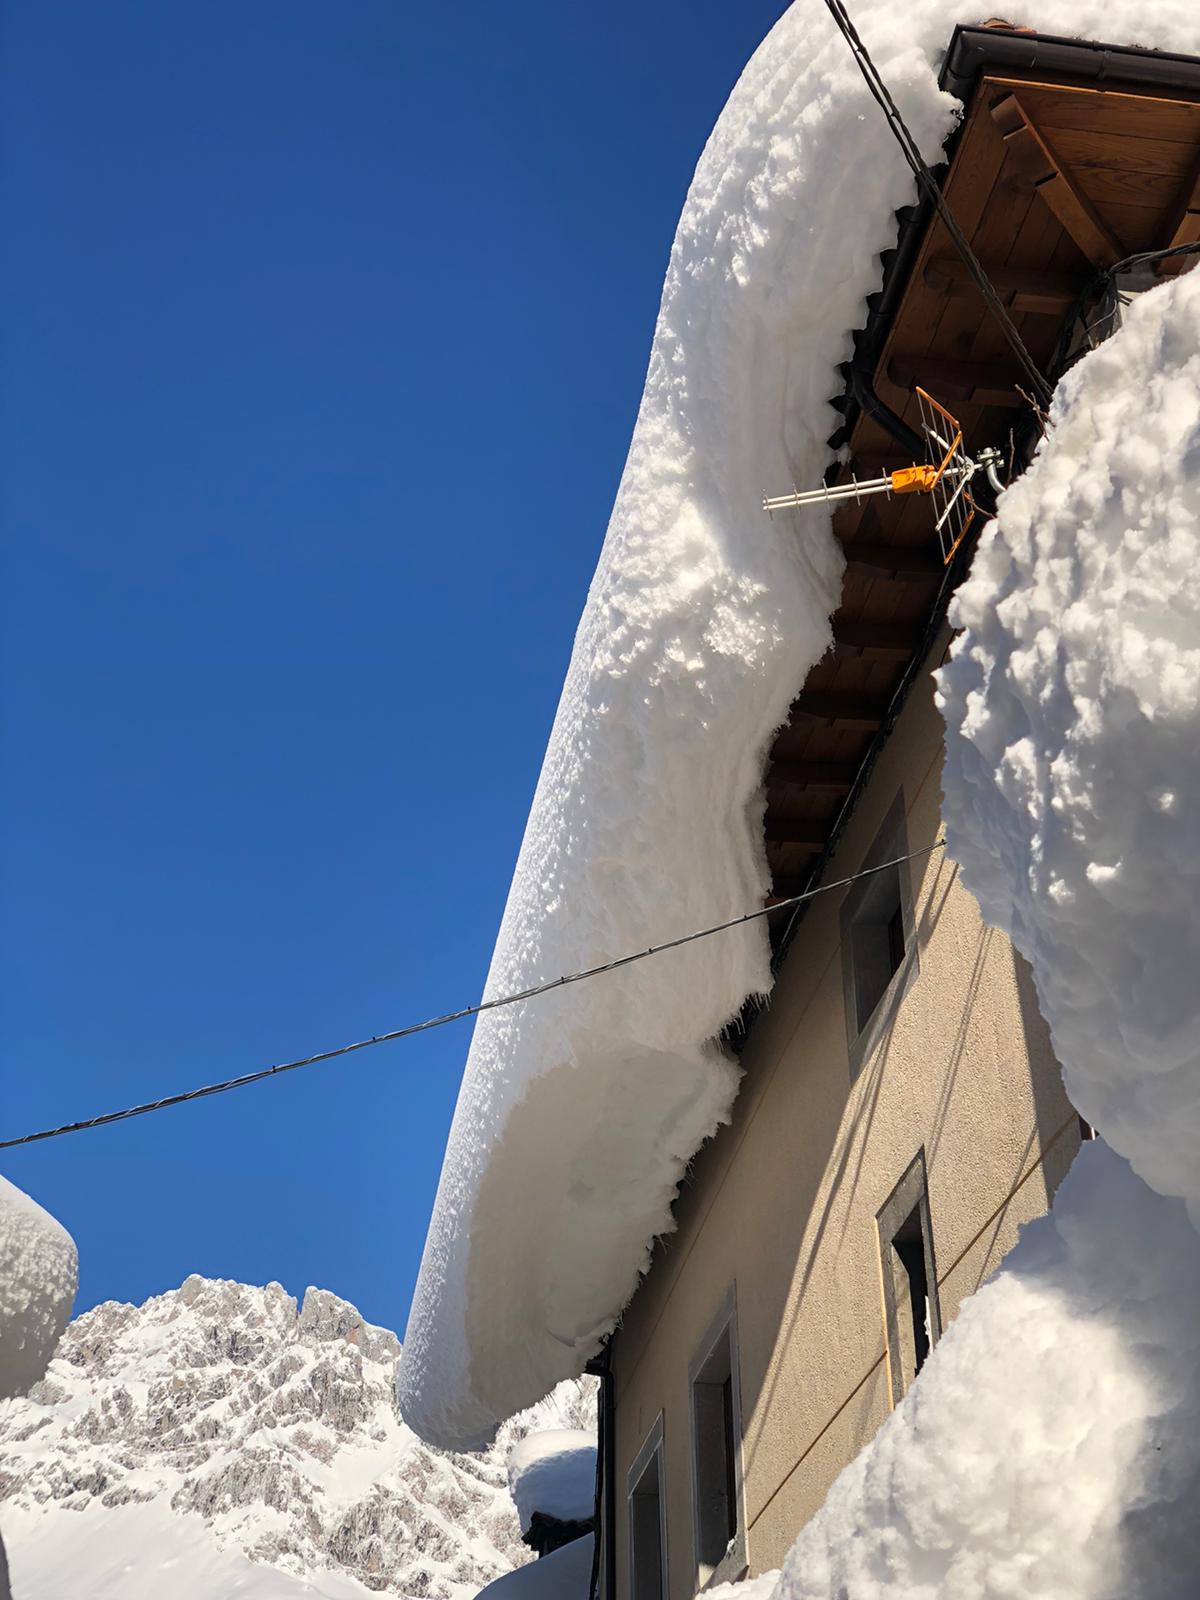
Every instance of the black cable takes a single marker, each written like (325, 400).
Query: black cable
(929, 184)
(1144, 256)
(455, 1016)
(1095, 287)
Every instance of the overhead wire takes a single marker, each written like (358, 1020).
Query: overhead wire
(1070, 349)
(933, 192)
(246, 1078)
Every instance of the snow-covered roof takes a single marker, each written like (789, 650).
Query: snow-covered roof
(39, 1273)
(553, 1472)
(578, 1112)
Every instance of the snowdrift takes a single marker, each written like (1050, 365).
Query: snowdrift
(562, 1575)
(578, 1112)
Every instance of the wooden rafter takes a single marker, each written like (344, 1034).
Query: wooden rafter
(887, 640)
(800, 833)
(874, 559)
(982, 383)
(1036, 289)
(1185, 222)
(831, 705)
(1038, 163)
(835, 776)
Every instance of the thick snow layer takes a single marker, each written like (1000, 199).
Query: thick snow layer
(1073, 707)
(1051, 1448)
(553, 1472)
(39, 1273)
(579, 1111)
(760, 1588)
(271, 1427)
(565, 1574)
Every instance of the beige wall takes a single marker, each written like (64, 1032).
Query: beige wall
(783, 1202)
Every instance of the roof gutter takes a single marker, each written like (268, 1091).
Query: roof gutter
(605, 1519)
(974, 50)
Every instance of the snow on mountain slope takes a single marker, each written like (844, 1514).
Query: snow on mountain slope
(218, 1441)
(148, 1552)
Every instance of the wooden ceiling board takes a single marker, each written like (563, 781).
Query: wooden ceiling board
(1084, 148)
(1115, 113)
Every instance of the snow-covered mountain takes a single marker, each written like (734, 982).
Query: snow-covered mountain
(219, 1441)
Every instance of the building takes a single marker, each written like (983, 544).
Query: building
(901, 1112)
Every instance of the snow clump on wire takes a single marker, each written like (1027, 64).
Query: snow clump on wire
(1051, 1448)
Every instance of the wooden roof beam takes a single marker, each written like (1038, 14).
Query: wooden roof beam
(836, 706)
(1035, 289)
(901, 562)
(801, 833)
(887, 640)
(1038, 163)
(980, 383)
(835, 776)
(1185, 223)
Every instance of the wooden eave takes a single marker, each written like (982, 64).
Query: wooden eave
(1053, 176)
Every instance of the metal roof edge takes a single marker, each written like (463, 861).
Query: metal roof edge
(973, 49)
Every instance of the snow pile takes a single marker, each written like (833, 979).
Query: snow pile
(218, 1426)
(1049, 1450)
(149, 1552)
(1073, 702)
(1052, 1446)
(553, 1472)
(39, 1272)
(565, 1574)
(578, 1111)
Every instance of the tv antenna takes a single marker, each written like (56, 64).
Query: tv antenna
(946, 479)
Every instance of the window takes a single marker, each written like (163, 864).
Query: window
(716, 1450)
(877, 942)
(909, 1278)
(647, 1526)
(879, 957)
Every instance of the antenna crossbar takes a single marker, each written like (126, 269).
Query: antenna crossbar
(946, 479)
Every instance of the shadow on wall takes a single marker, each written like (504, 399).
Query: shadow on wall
(836, 1141)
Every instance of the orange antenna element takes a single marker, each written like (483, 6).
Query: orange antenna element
(945, 478)
(953, 507)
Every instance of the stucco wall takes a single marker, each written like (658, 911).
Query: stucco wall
(783, 1202)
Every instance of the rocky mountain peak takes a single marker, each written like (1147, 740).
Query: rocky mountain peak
(275, 1424)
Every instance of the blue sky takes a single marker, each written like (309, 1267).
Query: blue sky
(324, 331)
